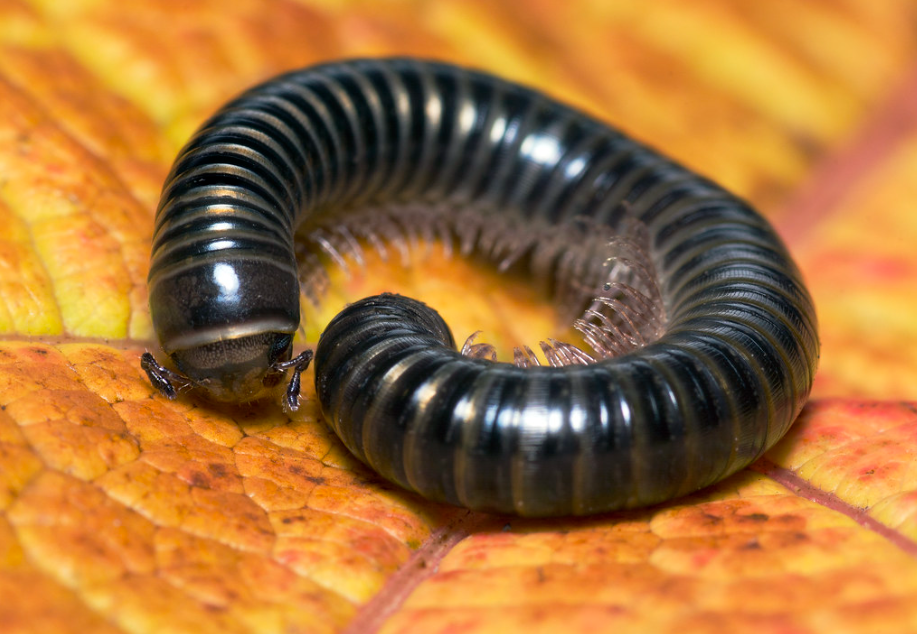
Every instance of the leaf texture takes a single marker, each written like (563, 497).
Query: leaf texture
(123, 512)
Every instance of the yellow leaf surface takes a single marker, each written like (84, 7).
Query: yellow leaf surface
(123, 512)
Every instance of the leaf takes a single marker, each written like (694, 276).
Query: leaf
(123, 512)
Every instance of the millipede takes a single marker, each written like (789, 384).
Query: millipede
(700, 337)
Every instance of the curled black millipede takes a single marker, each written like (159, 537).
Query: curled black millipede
(692, 401)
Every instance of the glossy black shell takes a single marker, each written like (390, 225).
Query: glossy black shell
(722, 385)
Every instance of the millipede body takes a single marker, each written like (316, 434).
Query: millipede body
(700, 395)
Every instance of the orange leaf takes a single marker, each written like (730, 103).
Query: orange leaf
(123, 512)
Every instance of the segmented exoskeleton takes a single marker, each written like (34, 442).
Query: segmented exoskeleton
(723, 378)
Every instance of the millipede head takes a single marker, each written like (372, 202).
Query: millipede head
(241, 369)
